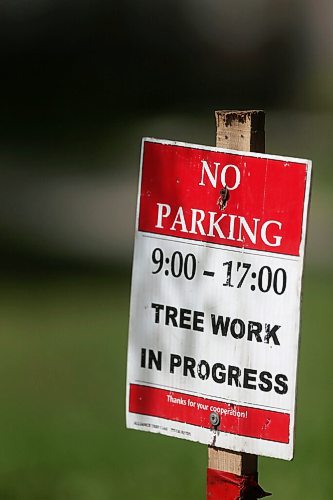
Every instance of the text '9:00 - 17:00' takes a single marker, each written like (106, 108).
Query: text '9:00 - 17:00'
(178, 265)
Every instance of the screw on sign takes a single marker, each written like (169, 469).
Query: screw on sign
(214, 419)
(215, 301)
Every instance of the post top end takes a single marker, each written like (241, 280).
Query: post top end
(228, 117)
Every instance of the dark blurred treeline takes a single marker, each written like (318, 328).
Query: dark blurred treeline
(83, 81)
(75, 66)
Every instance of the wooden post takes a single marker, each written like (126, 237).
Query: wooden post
(242, 131)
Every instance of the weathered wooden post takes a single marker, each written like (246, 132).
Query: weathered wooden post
(241, 131)
(215, 301)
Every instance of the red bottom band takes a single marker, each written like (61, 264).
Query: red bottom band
(195, 410)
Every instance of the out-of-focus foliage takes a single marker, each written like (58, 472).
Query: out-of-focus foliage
(62, 381)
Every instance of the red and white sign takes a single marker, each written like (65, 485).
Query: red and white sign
(215, 305)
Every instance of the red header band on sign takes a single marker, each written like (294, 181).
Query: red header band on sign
(234, 419)
(223, 198)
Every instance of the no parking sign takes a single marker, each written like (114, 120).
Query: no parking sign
(215, 305)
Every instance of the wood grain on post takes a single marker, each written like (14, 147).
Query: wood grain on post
(242, 131)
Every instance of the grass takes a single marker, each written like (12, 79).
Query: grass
(62, 385)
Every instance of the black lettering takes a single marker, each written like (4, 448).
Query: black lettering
(198, 318)
(218, 373)
(175, 362)
(254, 328)
(220, 323)
(249, 376)
(271, 333)
(158, 308)
(170, 315)
(185, 315)
(203, 375)
(153, 360)
(241, 332)
(233, 375)
(189, 365)
(282, 386)
(143, 358)
(265, 378)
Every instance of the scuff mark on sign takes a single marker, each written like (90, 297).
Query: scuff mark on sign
(222, 200)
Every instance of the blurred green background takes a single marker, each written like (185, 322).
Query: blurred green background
(81, 83)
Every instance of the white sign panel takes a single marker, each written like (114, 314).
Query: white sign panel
(215, 304)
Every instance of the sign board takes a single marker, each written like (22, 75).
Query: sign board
(215, 304)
